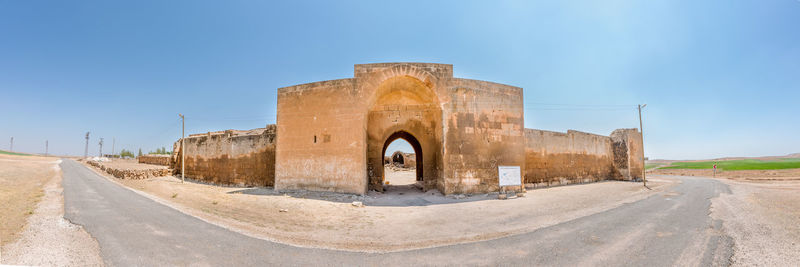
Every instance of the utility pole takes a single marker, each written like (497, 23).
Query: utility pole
(86, 152)
(11, 148)
(46, 143)
(641, 131)
(101, 147)
(113, 143)
(183, 152)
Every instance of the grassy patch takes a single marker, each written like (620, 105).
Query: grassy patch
(648, 166)
(13, 153)
(735, 165)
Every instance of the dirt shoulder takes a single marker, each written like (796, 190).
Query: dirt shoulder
(47, 238)
(763, 218)
(744, 175)
(21, 181)
(328, 220)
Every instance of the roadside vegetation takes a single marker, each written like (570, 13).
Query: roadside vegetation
(159, 151)
(126, 154)
(13, 153)
(648, 166)
(737, 165)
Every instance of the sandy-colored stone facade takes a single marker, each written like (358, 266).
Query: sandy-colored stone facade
(554, 158)
(400, 159)
(164, 160)
(229, 157)
(332, 136)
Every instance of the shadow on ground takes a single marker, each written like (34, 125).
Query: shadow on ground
(393, 196)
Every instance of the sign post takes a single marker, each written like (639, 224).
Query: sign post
(508, 176)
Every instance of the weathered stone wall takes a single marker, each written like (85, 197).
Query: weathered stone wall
(230, 157)
(628, 153)
(554, 158)
(332, 135)
(405, 160)
(321, 138)
(564, 158)
(164, 160)
(483, 130)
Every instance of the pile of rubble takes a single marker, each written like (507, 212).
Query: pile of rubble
(135, 174)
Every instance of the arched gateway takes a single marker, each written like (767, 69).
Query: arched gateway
(331, 135)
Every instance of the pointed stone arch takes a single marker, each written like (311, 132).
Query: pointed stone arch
(377, 81)
(404, 105)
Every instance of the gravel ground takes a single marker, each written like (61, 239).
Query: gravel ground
(49, 239)
(21, 181)
(747, 175)
(764, 221)
(400, 176)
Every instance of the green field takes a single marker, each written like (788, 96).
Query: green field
(736, 165)
(648, 166)
(13, 153)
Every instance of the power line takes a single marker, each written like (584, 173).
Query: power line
(232, 119)
(579, 105)
(580, 108)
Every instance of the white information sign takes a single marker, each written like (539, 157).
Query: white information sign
(509, 175)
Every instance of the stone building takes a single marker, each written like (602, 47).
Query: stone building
(332, 136)
(404, 160)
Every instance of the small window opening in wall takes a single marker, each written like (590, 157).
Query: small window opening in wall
(315, 139)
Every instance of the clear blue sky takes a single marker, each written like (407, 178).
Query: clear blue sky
(721, 78)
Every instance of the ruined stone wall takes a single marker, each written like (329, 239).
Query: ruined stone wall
(321, 138)
(164, 160)
(132, 174)
(553, 158)
(245, 158)
(483, 130)
(405, 160)
(628, 153)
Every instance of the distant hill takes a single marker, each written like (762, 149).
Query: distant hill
(795, 155)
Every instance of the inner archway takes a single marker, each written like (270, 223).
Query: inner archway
(400, 162)
(405, 107)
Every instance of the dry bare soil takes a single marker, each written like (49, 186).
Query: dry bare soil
(34, 231)
(401, 219)
(21, 181)
(742, 175)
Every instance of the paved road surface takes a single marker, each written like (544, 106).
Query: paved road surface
(671, 228)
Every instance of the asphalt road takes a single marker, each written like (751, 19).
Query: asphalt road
(670, 228)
